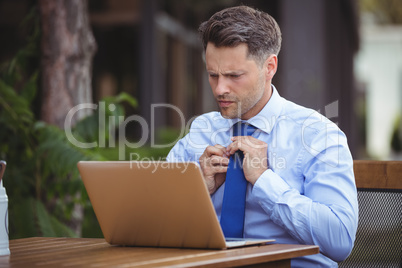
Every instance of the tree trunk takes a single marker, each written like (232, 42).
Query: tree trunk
(67, 48)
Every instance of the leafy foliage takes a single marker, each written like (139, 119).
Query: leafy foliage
(24, 144)
(42, 180)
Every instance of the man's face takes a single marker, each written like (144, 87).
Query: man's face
(237, 82)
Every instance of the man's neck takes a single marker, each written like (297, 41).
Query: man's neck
(260, 104)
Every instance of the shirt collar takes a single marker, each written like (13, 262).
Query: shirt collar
(268, 116)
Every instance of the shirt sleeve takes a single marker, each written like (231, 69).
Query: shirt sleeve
(192, 145)
(179, 153)
(326, 213)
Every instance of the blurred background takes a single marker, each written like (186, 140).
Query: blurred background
(343, 58)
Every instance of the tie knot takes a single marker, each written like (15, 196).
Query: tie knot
(243, 129)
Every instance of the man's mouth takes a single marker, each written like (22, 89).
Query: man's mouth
(225, 103)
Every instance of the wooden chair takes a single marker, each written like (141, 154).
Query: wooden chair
(379, 234)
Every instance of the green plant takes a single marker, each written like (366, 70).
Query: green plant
(23, 142)
(42, 180)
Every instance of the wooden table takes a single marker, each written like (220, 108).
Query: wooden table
(93, 252)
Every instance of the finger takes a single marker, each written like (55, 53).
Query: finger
(215, 150)
(249, 140)
(211, 152)
(246, 143)
(219, 169)
(232, 148)
(217, 160)
(223, 149)
(236, 145)
(219, 146)
(255, 143)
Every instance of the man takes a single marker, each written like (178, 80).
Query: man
(297, 167)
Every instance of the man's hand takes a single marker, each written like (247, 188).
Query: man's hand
(214, 164)
(255, 156)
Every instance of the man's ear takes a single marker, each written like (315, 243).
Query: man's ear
(270, 67)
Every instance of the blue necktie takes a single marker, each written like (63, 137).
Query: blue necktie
(234, 198)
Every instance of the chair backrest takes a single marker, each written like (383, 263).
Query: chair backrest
(379, 234)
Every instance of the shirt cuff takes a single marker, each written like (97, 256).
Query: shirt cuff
(268, 190)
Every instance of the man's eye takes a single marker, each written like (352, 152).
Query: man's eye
(235, 75)
(213, 75)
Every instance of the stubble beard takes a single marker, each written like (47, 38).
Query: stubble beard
(231, 112)
(244, 106)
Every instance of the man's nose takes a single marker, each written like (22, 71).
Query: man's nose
(222, 86)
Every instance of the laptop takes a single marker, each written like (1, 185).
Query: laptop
(155, 203)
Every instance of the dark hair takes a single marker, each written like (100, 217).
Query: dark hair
(242, 24)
